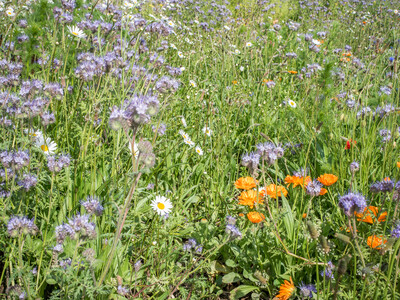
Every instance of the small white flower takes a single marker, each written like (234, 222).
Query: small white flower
(199, 151)
(135, 148)
(184, 135)
(249, 44)
(35, 135)
(192, 83)
(46, 145)
(189, 142)
(183, 69)
(170, 23)
(316, 42)
(10, 12)
(173, 46)
(196, 21)
(396, 11)
(180, 54)
(237, 51)
(154, 243)
(241, 68)
(292, 103)
(128, 4)
(227, 27)
(207, 131)
(161, 205)
(75, 31)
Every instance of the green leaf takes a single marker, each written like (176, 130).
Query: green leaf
(241, 291)
(231, 277)
(217, 267)
(230, 263)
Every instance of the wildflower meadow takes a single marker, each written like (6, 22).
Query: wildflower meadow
(199, 149)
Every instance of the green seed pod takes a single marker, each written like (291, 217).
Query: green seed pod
(326, 248)
(342, 237)
(342, 265)
(312, 229)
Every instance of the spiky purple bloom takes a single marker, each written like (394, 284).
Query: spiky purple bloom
(386, 135)
(306, 290)
(138, 265)
(354, 167)
(230, 220)
(21, 225)
(269, 152)
(58, 248)
(314, 188)
(93, 206)
(56, 164)
(396, 231)
(384, 186)
(14, 159)
(28, 181)
(352, 202)
(123, 291)
(233, 231)
(328, 273)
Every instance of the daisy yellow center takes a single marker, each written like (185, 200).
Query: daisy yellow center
(198, 150)
(160, 205)
(44, 148)
(74, 33)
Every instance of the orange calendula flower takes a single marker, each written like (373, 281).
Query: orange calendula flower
(274, 190)
(292, 72)
(304, 215)
(323, 191)
(302, 181)
(398, 164)
(241, 214)
(366, 215)
(255, 217)
(375, 241)
(327, 179)
(245, 183)
(286, 290)
(250, 198)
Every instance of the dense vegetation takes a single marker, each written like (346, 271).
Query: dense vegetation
(199, 149)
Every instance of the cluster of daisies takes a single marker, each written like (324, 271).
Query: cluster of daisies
(188, 141)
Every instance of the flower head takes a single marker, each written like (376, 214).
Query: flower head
(306, 290)
(369, 214)
(275, 191)
(352, 202)
(76, 31)
(286, 290)
(375, 242)
(161, 205)
(245, 183)
(313, 188)
(250, 198)
(255, 217)
(46, 145)
(327, 179)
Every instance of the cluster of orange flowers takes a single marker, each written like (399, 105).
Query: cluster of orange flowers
(368, 213)
(250, 197)
(326, 179)
(375, 242)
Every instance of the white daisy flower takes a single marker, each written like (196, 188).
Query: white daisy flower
(170, 23)
(161, 205)
(184, 135)
(173, 46)
(207, 131)
(180, 54)
(34, 134)
(196, 21)
(199, 150)
(316, 42)
(47, 145)
(135, 148)
(237, 51)
(10, 12)
(189, 142)
(227, 27)
(192, 83)
(241, 68)
(75, 31)
(292, 103)
(249, 44)
(183, 69)
(128, 4)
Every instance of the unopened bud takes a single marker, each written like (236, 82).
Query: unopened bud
(342, 265)
(343, 237)
(312, 229)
